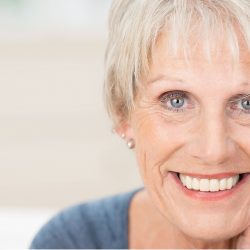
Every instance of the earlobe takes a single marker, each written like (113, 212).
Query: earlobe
(125, 131)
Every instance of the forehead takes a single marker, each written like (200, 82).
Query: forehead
(198, 56)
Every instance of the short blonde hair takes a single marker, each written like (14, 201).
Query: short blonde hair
(134, 26)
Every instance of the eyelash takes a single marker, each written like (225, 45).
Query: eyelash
(235, 110)
(167, 96)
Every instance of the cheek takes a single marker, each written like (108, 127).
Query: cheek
(157, 140)
(240, 134)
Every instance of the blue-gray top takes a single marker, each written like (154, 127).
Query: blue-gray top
(97, 224)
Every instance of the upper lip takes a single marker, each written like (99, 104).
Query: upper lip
(211, 176)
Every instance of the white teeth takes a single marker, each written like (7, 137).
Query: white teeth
(223, 184)
(235, 179)
(196, 184)
(214, 185)
(183, 179)
(188, 182)
(229, 183)
(206, 185)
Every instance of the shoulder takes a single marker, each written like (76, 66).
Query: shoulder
(99, 223)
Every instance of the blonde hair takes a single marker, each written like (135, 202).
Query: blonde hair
(134, 26)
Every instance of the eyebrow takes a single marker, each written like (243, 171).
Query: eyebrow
(179, 80)
(244, 84)
(239, 97)
(165, 77)
(176, 79)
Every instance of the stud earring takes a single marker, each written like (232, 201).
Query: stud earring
(131, 143)
(123, 136)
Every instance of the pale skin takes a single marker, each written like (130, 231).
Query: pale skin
(208, 134)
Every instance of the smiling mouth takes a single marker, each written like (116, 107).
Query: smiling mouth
(210, 184)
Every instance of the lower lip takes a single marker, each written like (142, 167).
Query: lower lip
(209, 196)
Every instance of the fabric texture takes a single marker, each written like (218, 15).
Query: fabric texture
(97, 224)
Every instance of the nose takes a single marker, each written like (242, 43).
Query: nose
(212, 144)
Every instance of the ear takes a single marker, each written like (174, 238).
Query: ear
(124, 130)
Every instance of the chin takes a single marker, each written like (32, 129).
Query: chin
(211, 230)
(210, 234)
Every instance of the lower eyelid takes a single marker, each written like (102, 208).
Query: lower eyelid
(238, 110)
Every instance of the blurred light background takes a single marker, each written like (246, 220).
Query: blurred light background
(56, 145)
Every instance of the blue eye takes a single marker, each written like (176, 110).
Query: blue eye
(177, 102)
(241, 105)
(246, 104)
(173, 100)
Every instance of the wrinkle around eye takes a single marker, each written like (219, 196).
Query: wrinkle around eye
(156, 114)
(154, 108)
(245, 121)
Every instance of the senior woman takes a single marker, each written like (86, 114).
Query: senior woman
(178, 90)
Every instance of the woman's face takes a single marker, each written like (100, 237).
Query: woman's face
(189, 119)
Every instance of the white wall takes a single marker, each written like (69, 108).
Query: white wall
(55, 138)
(56, 145)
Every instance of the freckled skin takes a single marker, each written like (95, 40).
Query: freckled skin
(208, 137)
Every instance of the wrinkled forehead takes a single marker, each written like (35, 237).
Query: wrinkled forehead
(194, 52)
(220, 45)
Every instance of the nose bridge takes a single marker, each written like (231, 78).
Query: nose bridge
(213, 146)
